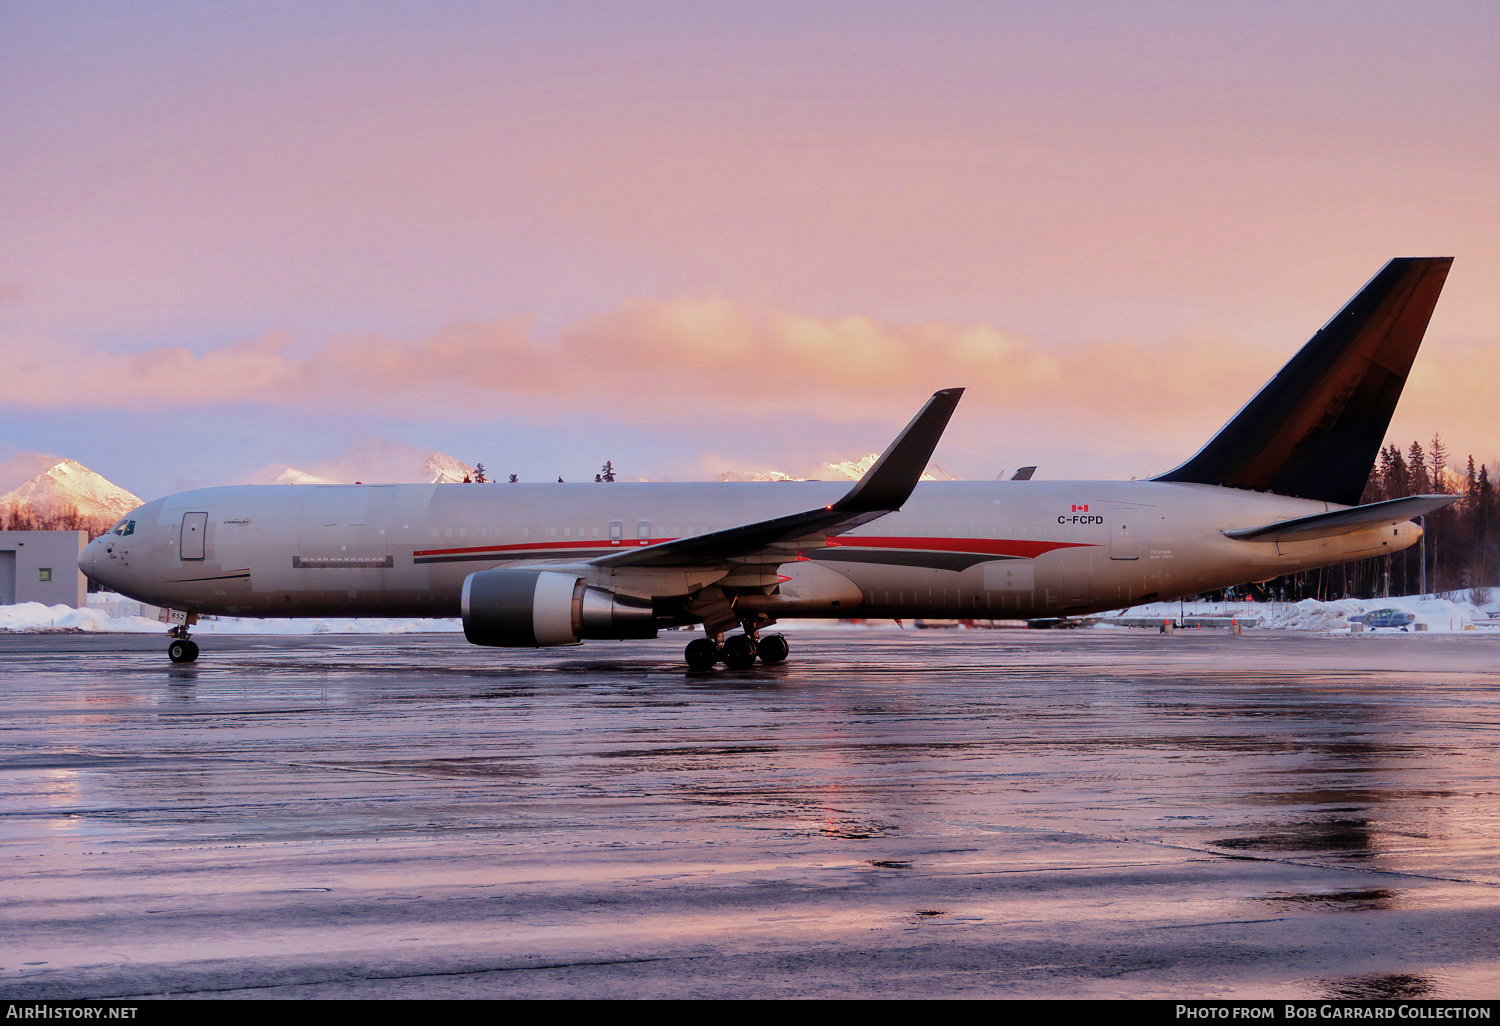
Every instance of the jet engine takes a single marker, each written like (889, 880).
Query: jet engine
(534, 608)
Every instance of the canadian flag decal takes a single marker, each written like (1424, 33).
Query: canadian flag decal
(1080, 509)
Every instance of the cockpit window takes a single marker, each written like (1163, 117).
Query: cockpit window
(125, 527)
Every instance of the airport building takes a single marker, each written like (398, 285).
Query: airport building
(42, 566)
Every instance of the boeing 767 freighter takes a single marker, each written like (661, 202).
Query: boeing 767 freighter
(1274, 492)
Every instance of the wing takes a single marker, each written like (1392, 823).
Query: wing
(883, 489)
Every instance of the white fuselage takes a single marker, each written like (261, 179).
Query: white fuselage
(962, 549)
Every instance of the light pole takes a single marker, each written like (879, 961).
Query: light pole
(1422, 573)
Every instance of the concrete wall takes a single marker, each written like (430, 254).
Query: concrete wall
(27, 557)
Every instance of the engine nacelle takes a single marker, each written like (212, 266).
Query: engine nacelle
(536, 608)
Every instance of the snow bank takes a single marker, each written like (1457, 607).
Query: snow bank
(34, 616)
(107, 613)
(1440, 615)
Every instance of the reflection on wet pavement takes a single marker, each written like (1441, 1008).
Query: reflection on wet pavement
(1344, 900)
(1395, 987)
(917, 814)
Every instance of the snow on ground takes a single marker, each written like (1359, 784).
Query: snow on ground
(108, 613)
(1439, 614)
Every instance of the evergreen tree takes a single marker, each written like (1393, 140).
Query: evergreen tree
(1437, 457)
(1398, 480)
(1421, 484)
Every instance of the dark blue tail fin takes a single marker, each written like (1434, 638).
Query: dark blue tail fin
(1315, 429)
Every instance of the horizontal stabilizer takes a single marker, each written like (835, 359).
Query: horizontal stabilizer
(1341, 521)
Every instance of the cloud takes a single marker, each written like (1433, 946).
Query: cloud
(686, 360)
(706, 353)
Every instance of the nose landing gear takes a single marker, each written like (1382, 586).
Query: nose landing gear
(182, 649)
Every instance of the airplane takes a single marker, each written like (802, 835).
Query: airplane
(1275, 491)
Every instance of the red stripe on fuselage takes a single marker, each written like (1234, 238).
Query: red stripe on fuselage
(998, 547)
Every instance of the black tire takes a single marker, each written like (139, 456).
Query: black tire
(182, 650)
(701, 654)
(772, 649)
(738, 652)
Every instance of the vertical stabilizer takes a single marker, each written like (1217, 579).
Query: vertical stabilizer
(1314, 430)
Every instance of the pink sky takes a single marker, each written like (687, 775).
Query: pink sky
(687, 236)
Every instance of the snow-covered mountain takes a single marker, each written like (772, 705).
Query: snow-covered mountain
(70, 483)
(279, 474)
(848, 470)
(440, 468)
(433, 468)
(855, 469)
(755, 475)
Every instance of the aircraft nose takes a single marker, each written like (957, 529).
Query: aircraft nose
(95, 561)
(88, 559)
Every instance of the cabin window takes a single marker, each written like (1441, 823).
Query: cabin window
(44, 574)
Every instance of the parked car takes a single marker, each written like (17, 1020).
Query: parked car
(1399, 618)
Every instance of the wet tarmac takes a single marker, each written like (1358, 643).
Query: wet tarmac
(1086, 814)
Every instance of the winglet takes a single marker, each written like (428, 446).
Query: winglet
(889, 483)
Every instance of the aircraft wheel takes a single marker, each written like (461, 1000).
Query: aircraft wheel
(772, 649)
(182, 650)
(701, 653)
(739, 652)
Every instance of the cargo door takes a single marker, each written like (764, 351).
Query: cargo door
(194, 535)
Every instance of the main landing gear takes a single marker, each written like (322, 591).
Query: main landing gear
(181, 649)
(738, 651)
